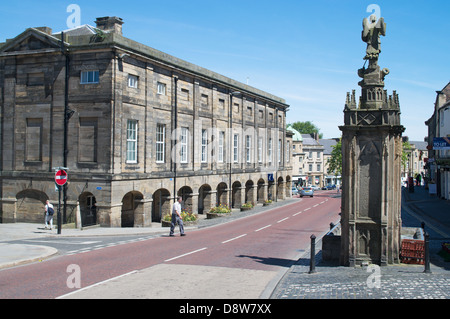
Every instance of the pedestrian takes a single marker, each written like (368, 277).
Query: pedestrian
(49, 212)
(176, 218)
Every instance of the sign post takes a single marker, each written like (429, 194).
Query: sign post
(60, 180)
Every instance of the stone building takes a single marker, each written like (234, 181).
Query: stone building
(438, 165)
(142, 127)
(313, 161)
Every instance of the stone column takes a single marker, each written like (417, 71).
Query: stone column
(143, 214)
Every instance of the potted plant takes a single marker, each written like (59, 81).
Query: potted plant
(267, 202)
(218, 211)
(189, 219)
(246, 206)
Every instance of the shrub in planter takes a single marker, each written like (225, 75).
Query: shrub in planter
(188, 219)
(219, 211)
(246, 206)
(267, 202)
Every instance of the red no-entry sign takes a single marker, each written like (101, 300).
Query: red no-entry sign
(61, 178)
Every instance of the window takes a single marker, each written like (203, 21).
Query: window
(318, 155)
(161, 88)
(35, 79)
(248, 148)
(310, 156)
(90, 77)
(33, 143)
(132, 141)
(310, 167)
(185, 95)
(235, 147)
(204, 152)
(222, 104)
(288, 152)
(318, 167)
(260, 149)
(160, 143)
(87, 152)
(221, 140)
(184, 145)
(270, 150)
(205, 100)
(133, 81)
(279, 151)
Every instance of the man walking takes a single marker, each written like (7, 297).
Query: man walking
(49, 211)
(176, 218)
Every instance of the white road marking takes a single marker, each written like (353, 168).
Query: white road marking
(97, 284)
(62, 242)
(227, 241)
(280, 221)
(262, 228)
(192, 252)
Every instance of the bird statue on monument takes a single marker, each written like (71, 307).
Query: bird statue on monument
(371, 35)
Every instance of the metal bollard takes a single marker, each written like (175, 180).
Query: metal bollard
(312, 262)
(427, 254)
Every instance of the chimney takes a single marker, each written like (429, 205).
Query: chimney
(110, 24)
(45, 30)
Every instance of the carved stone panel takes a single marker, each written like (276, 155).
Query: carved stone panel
(370, 179)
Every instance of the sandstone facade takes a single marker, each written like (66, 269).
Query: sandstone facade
(144, 126)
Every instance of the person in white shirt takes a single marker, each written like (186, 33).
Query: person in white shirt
(49, 211)
(176, 218)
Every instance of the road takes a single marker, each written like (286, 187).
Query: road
(265, 242)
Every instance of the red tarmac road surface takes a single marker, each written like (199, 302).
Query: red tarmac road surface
(265, 241)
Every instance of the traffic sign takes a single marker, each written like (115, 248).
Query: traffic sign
(61, 178)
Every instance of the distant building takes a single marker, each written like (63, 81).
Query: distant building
(438, 163)
(298, 156)
(143, 128)
(330, 178)
(313, 162)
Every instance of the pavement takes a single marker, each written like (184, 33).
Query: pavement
(403, 281)
(330, 281)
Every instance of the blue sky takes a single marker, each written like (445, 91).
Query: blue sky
(307, 52)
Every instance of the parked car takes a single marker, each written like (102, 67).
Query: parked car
(307, 191)
(294, 191)
(315, 188)
(331, 187)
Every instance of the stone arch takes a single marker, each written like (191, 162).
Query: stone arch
(204, 199)
(131, 205)
(88, 209)
(30, 206)
(222, 198)
(186, 194)
(160, 205)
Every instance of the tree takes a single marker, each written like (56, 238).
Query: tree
(307, 128)
(405, 155)
(335, 161)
